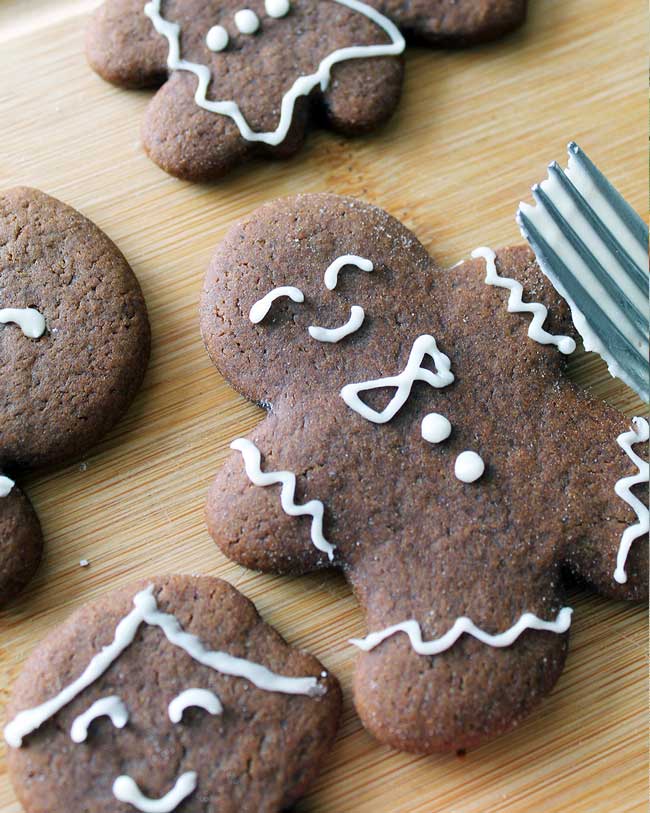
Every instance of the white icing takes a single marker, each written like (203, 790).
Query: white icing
(302, 86)
(263, 305)
(247, 21)
(424, 345)
(199, 698)
(111, 707)
(217, 38)
(638, 434)
(277, 8)
(146, 611)
(126, 790)
(313, 508)
(332, 271)
(435, 427)
(29, 320)
(565, 344)
(335, 334)
(6, 484)
(469, 467)
(462, 626)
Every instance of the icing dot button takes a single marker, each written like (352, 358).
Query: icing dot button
(469, 467)
(247, 21)
(435, 427)
(217, 38)
(277, 8)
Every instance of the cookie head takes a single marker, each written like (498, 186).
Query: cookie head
(169, 695)
(74, 335)
(434, 450)
(242, 78)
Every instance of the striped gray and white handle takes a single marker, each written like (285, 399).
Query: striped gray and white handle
(593, 247)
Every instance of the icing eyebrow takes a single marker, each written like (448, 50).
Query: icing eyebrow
(111, 707)
(193, 698)
(29, 320)
(335, 334)
(126, 790)
(263, 305)
(332, 272)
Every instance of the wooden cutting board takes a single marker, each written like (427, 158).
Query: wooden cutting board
(474, 131)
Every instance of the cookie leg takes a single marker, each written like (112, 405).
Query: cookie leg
(362, 94)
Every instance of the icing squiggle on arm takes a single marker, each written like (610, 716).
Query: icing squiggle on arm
(565, 344)
(111, 707)
(332, 271)
(335, 334)
(193, 698)
(146, 611)
(424, 345)
(638, 433)
(314, 508)
(466, 626)
(6, 484)
(29, 320)
(263, 305)
(126, 790)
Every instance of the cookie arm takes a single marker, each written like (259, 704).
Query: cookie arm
(123, 47)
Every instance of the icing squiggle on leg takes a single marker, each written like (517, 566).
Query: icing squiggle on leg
(314, 508)
(638, 433)
(565, 344)
(464, 625)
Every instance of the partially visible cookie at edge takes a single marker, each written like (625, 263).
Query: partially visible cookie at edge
(233, 719)
(21, 540)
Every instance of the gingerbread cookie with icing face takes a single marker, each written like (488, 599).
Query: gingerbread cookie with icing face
(74, 344)
(240, 80)
(422, 436)
(169, 694)
(454, 23)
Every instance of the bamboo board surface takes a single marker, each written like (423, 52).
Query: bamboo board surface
(475, 129)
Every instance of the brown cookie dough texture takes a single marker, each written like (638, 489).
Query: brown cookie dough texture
(258, 755)
(21, 543)
(454, 23)
(61, 392)
(254, 70)
(414, 541)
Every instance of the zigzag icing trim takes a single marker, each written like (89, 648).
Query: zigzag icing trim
(565, 344)
(638, 433)
(303, 85)
(464, 625)
(313, 508)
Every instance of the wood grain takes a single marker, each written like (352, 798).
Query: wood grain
(474, 131)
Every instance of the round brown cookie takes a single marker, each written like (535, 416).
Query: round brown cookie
(60, 392)
(454, 23)
(256, 71)
(422, 548)
(21, 543)
(255, 750)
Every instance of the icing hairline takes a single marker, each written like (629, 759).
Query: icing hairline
(146, 611)
(464, 625)
(301, 87)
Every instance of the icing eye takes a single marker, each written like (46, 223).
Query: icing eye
(247, 21)
(263, 305)
(197, 698)
(217, 38)
(111, 707)
(277, 8)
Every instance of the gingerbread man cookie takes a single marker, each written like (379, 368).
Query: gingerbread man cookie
(421, 436)
(238, 81)
(169, 694)
(74, 344)
(454, 23)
